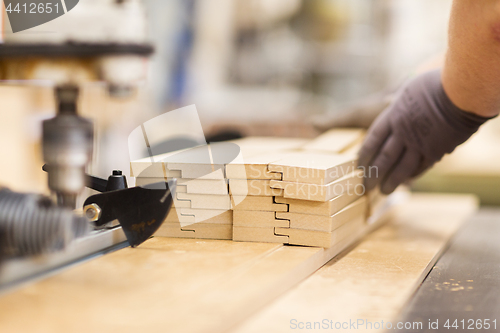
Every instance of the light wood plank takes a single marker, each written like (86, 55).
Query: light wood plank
(189, 216)
(326, 208)
(258, 219)
(375, 280)
(321, 238)
(197, 231)
(352, 183)
(326, 223)
(335, 141)
(205, 201)
(188, 163)
(256, 203)
(257, 234)
(314, 168)
(242, 187)
(192, 186)
(180, 284)
(209, 286)
(266, 144)
(256, 167)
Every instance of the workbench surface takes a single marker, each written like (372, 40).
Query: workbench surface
(183, 285)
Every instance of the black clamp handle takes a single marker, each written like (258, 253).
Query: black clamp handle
(140, 210)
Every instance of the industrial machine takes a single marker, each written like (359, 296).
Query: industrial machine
(92, 40)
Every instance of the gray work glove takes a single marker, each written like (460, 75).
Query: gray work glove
(413, 133)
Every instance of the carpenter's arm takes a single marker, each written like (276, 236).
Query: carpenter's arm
(471, 74)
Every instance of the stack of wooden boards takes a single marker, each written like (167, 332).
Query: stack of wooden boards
(291, 191)
(202, 206)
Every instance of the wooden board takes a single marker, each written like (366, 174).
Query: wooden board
(301, 229)
(242, 187)
(335, 141)
(190, 163)
(180, 188)
(205, 160)
(257, 219)
(197, 231)
(257, 145)
(185, 285)
(256, 167)
(326, 208)
(256, 203)
(201, 201)
(314, 168)
(325, 223)
(204, 201)
(192, 186)
(188, 285)
(323, 239)
(375, 279)
(260, 234)
(188, 216)
(312, 192)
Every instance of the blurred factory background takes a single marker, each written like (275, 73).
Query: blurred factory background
(281, 61)
(252, 67)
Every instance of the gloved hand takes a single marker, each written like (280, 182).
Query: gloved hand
(413, 133)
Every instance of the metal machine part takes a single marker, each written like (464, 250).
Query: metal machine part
(139, 210)
(30, 224)
(67, 147)
(95, 40)
(117, 181)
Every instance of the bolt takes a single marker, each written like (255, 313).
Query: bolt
(92, 212)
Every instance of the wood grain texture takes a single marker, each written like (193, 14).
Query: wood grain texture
(257, 203)
(312, 161)
(192, 186)
(178, 285)
(326, 223)
(314, 168)
(204, 201)
(335, 141)
(197, 231)
(241, 187)
(257, 145)
(256, 167)
(326, 208)
(189, 216)
(197, 162)
(257, 234)
(324, 239)
(201, 201)
(374, 280)
(313, 192)
(258, 219)
(187, 285)
(190, 163)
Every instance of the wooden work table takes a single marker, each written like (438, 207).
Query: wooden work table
(183, 285)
